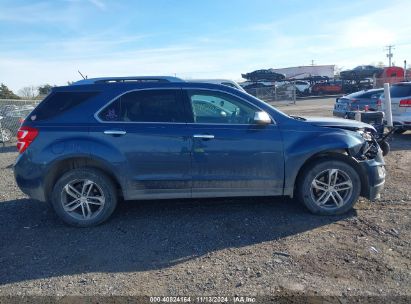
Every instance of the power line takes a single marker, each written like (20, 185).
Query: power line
(389, 48)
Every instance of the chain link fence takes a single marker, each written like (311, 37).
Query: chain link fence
(12, 114)
(284, 92)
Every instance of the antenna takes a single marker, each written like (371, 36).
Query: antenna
(82, 74)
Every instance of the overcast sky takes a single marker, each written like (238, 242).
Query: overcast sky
(48, 41)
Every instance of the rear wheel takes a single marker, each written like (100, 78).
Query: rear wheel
(329, 187)
(84, 197)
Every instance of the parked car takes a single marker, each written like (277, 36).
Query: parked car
(247, 85)
(26, 107)
(10, 123)
(303, 88)
(352, 86)
(287, 89)
(4, 109)
(87, 144)
(329, 87)
(362, 71)
(358, 101)
(226, 82)
(400, 105)
(263, 75)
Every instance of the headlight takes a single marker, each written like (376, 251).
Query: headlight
(367, 136)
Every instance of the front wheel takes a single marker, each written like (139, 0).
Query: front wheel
(84, 197)
(329, 187)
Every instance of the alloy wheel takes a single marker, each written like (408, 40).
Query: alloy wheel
(331, 189)
(82, 199)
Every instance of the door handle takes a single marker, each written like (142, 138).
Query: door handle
(204, 136)
(115, 132)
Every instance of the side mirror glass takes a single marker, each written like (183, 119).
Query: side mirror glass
(262, 118)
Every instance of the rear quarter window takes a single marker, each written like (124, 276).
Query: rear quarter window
(400, 90)
(59, 102)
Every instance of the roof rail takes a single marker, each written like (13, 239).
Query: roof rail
(128, 79)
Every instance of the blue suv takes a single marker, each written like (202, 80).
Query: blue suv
(92, 143)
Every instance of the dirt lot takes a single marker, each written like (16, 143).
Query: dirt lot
(253, 246)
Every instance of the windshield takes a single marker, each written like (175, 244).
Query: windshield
(400, 90)
(269, 105)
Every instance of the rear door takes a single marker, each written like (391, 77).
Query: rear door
(232, 156)
(148, 128)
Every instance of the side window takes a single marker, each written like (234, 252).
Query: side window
(218, 107)
(146, 106)
(59, 102)
(366, 95)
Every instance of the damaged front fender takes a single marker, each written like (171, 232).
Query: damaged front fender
(300, 148)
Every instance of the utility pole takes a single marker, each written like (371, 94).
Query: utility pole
(312, 62)
(389, 48)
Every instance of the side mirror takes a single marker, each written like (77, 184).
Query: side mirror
(262, 118)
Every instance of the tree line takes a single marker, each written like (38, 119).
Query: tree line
(26, 92)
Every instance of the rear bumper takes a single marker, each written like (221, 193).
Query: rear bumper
(29, 178)
(402, 120)
(402, 125)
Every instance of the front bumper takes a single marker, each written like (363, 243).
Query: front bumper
(373, 177)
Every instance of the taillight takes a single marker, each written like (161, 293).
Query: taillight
(25, 136)
(405, 103)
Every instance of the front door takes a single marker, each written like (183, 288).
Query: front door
(231, 155)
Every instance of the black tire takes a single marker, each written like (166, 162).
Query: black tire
(306, 194)
(385, 147)
(103, 184)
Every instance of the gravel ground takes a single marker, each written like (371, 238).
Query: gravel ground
(250, 246)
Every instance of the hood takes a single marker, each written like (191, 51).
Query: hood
(347, 124)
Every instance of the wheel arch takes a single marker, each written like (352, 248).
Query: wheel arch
(58, 168)
(339, 154)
